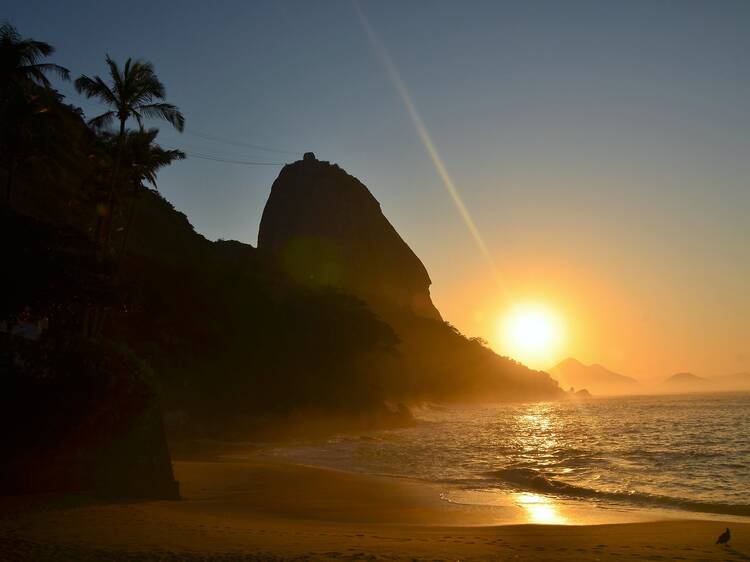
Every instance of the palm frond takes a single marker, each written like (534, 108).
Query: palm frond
(95, 88)
(37, 49)
(35, 74)
(116, 75)
(9, 34)
(20, 59)
(165, 111)
(104, 120)
(61, 71)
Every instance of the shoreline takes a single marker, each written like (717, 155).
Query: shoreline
(261, 509)
(534, 506)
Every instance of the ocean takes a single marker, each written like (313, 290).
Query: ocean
(689, 453)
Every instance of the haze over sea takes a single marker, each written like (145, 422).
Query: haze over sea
(689, 453)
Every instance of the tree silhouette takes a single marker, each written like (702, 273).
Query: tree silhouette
(19, 61)
(142, 158)
(134, 92)
(24, 94)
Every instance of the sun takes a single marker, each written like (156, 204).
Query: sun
(531, 333)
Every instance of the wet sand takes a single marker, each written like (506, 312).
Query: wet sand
(268, 510)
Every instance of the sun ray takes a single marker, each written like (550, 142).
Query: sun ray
(424, 135)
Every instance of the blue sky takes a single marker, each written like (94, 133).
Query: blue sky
(604, 144)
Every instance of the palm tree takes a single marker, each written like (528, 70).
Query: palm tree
(19, 61)
(23, 93)
(134, 92)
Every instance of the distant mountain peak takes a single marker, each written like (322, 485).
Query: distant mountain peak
(568, 362)
(686, 377)
(596, 378)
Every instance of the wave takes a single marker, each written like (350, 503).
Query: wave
(530, 480)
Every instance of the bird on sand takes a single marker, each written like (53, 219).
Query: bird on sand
(724, 537)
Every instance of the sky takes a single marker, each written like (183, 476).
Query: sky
(600, 149)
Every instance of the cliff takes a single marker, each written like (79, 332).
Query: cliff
(325, 228)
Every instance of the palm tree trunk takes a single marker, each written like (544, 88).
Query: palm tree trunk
(126, 234)
(113, 186)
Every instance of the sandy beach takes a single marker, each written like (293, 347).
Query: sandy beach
(263, 509)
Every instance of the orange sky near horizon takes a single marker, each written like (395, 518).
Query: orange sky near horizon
(619, 259)
(633, 328)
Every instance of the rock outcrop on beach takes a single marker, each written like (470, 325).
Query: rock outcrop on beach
(325, 228)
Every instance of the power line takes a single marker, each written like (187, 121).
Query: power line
(207, 136)
(240, 143)
(230, 161)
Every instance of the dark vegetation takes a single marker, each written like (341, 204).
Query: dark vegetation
(115, 311)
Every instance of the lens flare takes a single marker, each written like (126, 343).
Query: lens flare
(425, 137)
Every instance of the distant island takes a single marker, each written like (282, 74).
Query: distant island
(600, 381)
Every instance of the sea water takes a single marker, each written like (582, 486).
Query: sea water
(688, 452)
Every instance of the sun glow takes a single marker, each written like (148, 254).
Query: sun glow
(531, 333)
(540, 509)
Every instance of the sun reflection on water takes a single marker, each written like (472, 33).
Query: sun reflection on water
(540, 509)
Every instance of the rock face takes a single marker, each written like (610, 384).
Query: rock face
(325, 228)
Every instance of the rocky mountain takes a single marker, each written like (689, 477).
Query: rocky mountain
(596, 379)
(326, 229)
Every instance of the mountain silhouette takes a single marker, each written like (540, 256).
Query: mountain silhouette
(686, 382)
(595, 378)
(325, 228)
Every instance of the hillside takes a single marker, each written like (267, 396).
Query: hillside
(330, 318)
(324, 228)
